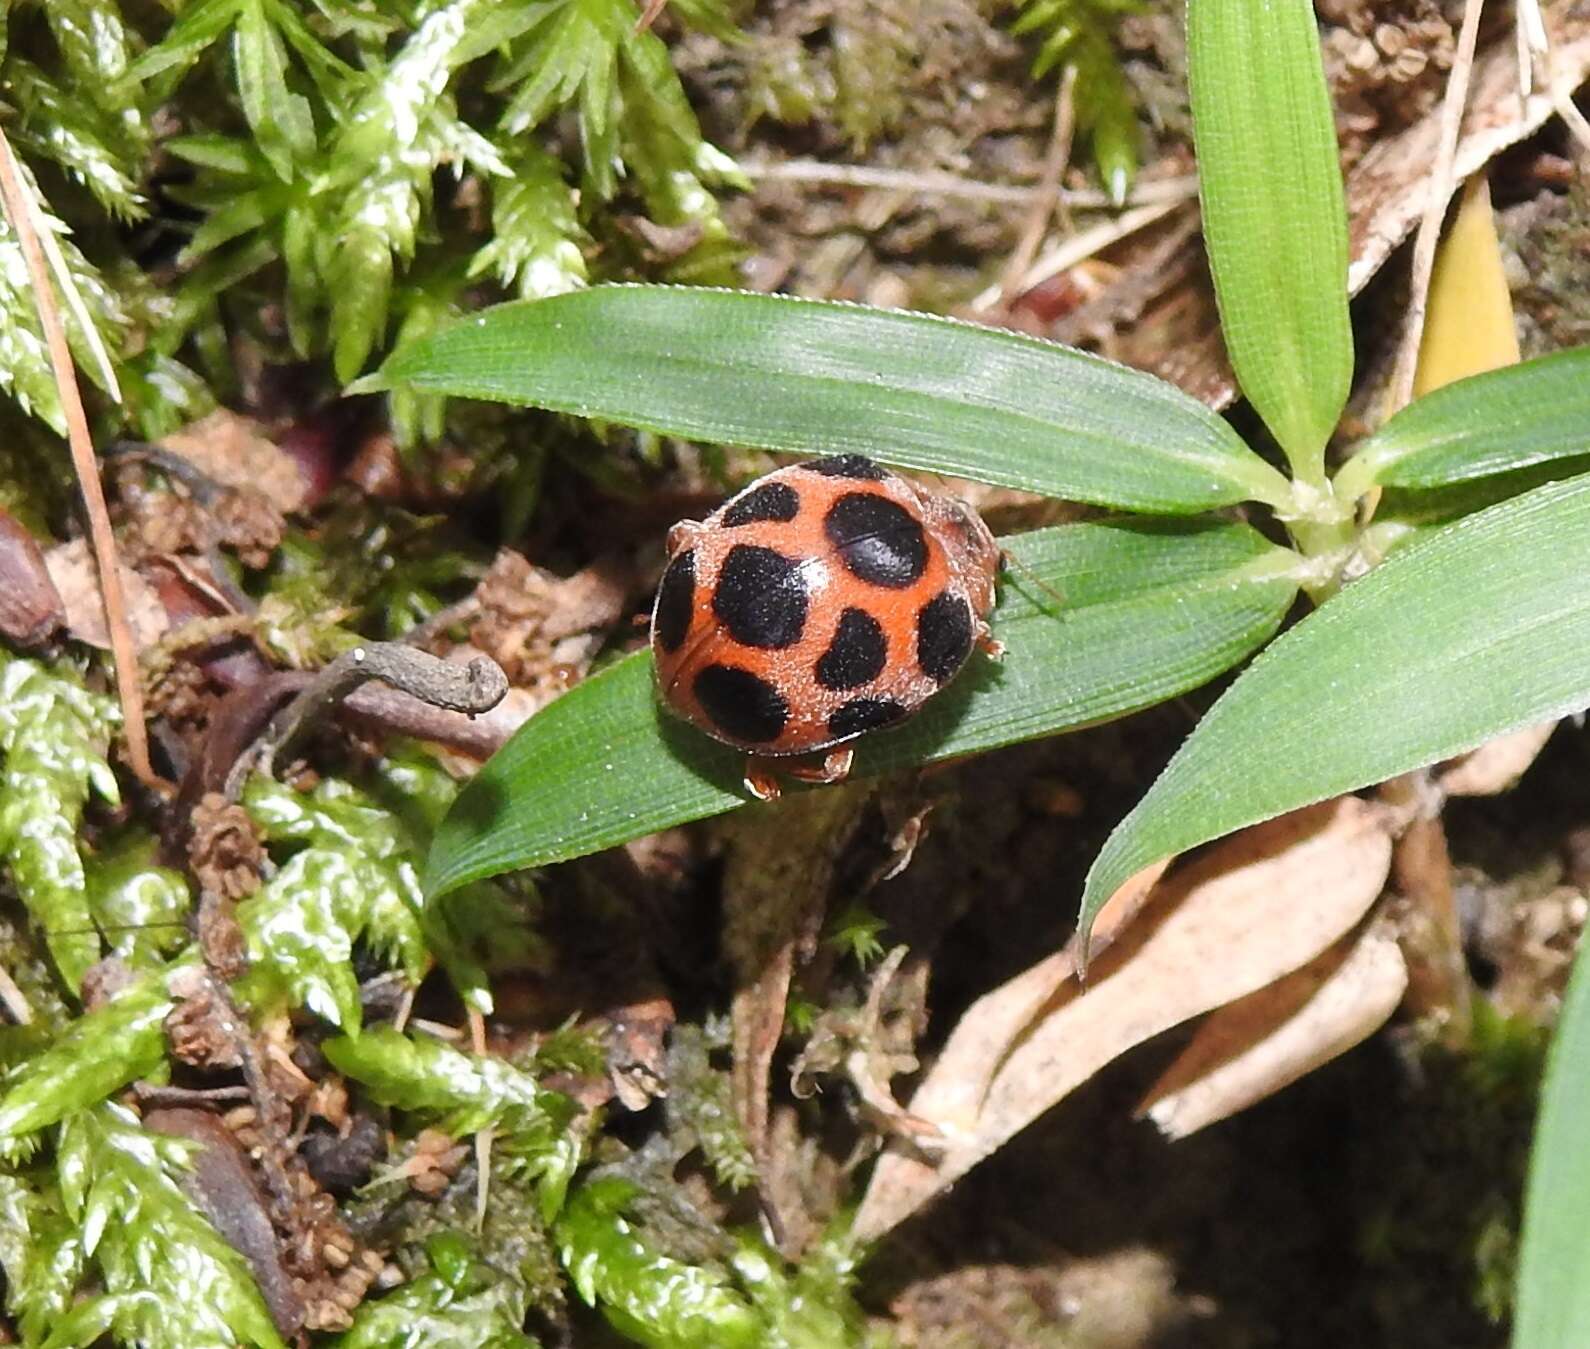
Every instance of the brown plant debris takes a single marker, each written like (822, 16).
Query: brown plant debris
(331, 1270)
(235, 452)
(30, 607)
(73, 572)
(1257, 906)
(544, 629)
(775, 887)
(225, 852)
(198, 1027)
(436, 1158)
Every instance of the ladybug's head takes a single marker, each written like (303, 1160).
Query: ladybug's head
(973, 554)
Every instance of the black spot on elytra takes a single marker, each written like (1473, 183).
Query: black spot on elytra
(848, 466)
(676, 600)
(878, 539)
(864, 714)
(771, 501)
(943, 636)
(740, 703)
(856, 655)
(760, 597)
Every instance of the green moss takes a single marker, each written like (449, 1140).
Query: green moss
(1443, 1190)
(54, 736)
(315, 137)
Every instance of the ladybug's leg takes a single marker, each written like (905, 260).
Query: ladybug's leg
(835, 767)
(682, 535)
(761, 779)
(988, 644)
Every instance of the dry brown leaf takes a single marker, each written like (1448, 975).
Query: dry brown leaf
(235, 452)
(955, 1088)
(76, 577)
(1496, 765)
(1385, 193)
(1124, 905)
(1254, 1047)
(1256, 907)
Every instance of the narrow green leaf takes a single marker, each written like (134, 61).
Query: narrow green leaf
(1274, 223)
(803, 375)
(1487, 424)
(429, 1311)
(1475, 630)
(331, 73)
(361, 290)
(1553, 1306)
(225, 154)
(1151, 608)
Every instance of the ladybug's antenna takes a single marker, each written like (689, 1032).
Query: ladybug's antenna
(1009, 559)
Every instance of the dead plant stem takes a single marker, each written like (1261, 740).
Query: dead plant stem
(15, 196)
(1048, 200)
(1438, 189)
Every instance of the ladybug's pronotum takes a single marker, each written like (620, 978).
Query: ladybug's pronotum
(824, 601)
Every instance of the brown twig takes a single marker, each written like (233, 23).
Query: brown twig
(14, 195)
(648, 16)
(936, 183)
(1082, 246)
(1048, 200)
(471, 689)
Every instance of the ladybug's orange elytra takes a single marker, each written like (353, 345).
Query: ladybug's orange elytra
(825, 600)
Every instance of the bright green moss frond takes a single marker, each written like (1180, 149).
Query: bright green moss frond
(164, 1279)
(53, 739)
(464, 1093)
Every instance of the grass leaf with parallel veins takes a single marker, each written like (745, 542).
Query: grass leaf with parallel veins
(1476, 630)
(1273, 218)
(805, 376)
(1496, 422)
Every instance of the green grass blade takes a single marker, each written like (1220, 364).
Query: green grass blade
(1478, 629)
(1493, 423)
(1274, 222)
(1553, 1302)
(1152, 608)
(813, 377)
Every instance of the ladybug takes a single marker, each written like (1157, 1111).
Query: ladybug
(825, 600)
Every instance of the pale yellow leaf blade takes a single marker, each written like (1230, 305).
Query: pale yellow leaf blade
(1468, 325)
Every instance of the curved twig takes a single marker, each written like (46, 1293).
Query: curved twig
(471, 689)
